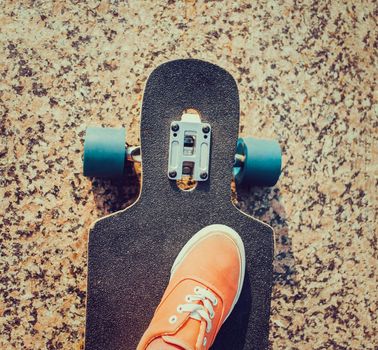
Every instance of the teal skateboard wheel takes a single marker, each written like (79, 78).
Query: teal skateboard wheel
(104, 152)
(257, 162)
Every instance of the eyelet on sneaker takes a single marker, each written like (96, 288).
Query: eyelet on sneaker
(179, 309)
(172, 319)
(215, 303)
(188, 299)
(197, 290)
(204, 341)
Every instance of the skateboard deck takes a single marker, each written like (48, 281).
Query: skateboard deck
(131, 252)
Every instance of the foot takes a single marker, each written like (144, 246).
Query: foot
(206, 281)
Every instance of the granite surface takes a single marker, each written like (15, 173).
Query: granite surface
(307, 75)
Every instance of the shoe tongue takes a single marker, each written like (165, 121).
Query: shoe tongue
(188, 336)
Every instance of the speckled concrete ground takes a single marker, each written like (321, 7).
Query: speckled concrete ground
(307, 75)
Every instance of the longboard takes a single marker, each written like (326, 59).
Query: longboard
(130, 253)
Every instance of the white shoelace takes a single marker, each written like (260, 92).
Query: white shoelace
(198, 311)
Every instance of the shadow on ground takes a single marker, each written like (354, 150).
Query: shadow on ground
(265, 204)
(112, 195)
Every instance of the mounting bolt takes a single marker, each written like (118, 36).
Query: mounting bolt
(172, 173)
(203, 175)
(206, 129)
(175, 127)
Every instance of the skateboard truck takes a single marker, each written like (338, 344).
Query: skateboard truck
(257, 161)
(189, 148)
(133, 154)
